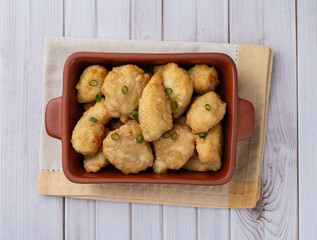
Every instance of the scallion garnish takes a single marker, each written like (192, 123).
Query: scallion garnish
(207, 107)
(174, 135)
(202, 135)
(166, 135)
(124, 89)
(98, 97)
(93, 119)
(139, 138)
(174, 105)
(93, 83)
(168, 91)
(135, 113)
(115, 136)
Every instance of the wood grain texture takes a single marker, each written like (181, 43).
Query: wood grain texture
(212, 21)
(179, 223)
(23, 213)
(146, 24)
(272, 23)
(113, 19)
(307, 99)
(179, 20)
(213, 223)
(80, 219)
(147, 221)
(113, 220)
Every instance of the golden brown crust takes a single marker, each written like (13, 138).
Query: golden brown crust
(179, 81)
(99, 112)
(123, 88)
(126, 154)
(194, 164)
(205, 78)
(199, 119)
(209, 148)
(87, 136)
(173, 154)
(155, 114)
(93, 163)
(86, 92)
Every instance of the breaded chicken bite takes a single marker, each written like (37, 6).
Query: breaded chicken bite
(209, 148)
(173, 149)
(87, 135)
(194, 164)
(89, 130)
(205, 112)
(99, 112)
(126, 149)
(155, 114)
(93, 163)
(205, 78)
(178, 86)
(90, 83)
(123, 88)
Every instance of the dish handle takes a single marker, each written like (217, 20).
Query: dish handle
(246, 119)
(53, 117)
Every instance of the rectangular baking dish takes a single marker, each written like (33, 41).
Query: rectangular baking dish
(63, 112)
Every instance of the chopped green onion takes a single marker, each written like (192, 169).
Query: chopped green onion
(135, 113)
(202, 135)
(98, 97)
(93, 119)
(115, 136)
(174, 105)
(139, 138)
(93, 82)
(124, 89)
(168, 91)
(207, 107)
(166, 135)
(174, 135)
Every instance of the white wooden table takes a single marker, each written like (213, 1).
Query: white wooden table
(287, 209)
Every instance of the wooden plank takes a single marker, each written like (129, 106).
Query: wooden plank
(149, 216)
(80, 219)
(212, 21)
(113, 21)
(113, 220)
(272, 23)
(179, 20)
(146, 19)
(307, 98)
(23, 213)
(146, 24)
(212, 26)
(179, 222)
(213, 223)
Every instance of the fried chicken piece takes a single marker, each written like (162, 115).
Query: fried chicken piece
(155, 114)
(90, 83)
(173, 149)
(126, 149)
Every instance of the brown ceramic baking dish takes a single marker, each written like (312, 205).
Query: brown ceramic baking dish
(63, 112)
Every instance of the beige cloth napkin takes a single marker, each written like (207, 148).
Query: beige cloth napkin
(254, 72)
